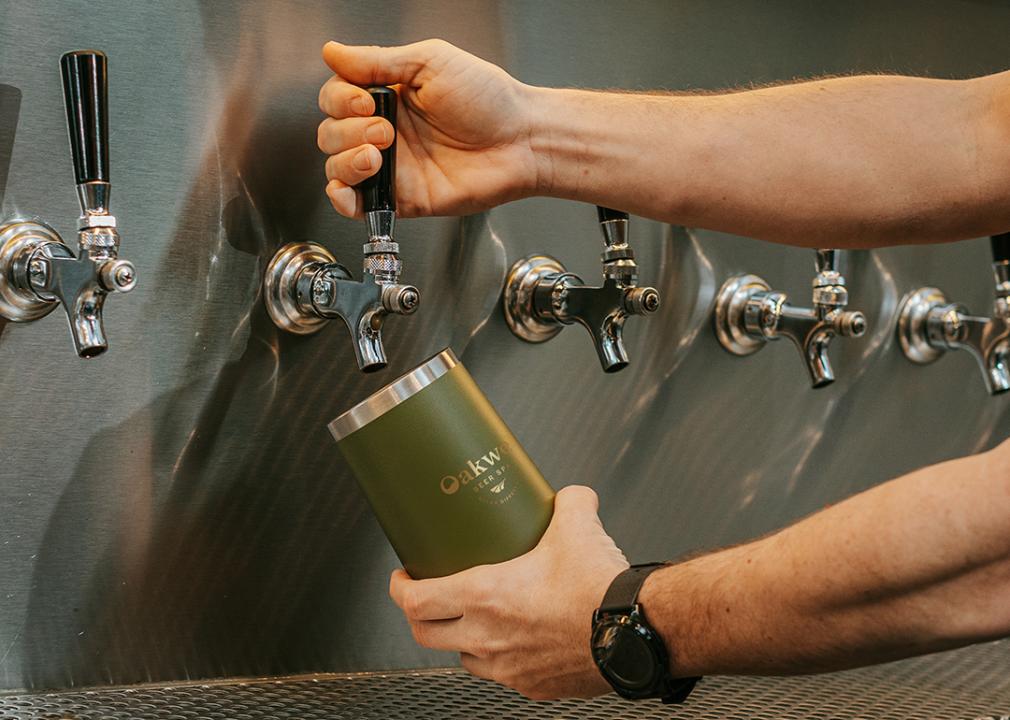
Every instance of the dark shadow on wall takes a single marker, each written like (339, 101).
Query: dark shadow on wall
(195, 562)
(198, 562)
(10, 110)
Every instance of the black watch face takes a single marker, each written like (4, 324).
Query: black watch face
(623, 650)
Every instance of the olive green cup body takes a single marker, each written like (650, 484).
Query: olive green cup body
(449, 483)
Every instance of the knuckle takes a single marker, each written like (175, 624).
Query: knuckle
(482, 595)
(324, 95)
(410, 603)
(420, 633)
(491, 648)
(329, 97)
(438, 44)
(480, 648)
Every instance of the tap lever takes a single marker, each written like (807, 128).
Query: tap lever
(606, 215)
(1001, 273)
(382, 252)
(1000, 247)
(86, 95)
(379, 191)
(827, 260)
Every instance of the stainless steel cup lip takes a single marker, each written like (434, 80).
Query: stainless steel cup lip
(382, 401)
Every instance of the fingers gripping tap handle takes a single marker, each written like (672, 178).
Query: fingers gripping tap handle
(86, 96)
(379, 191)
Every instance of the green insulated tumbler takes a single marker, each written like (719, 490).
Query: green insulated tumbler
(450, 484)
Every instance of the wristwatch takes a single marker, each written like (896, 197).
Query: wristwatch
(628, 652)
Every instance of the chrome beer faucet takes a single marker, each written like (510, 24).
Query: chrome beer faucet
(305, 286)
(749, 314)
(541, 297)
(929, 325)
(37, 269)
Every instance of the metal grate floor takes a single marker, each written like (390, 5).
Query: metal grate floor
(970, 683)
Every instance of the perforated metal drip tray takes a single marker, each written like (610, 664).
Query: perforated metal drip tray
(970, 683)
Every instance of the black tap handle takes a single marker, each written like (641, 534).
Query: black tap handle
(86, 96)
(379, 191)
(1001, 247)
(605, 214)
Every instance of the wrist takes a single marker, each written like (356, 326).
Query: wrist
(555, 139)
(655, 599)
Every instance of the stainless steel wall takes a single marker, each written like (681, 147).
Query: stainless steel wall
(175, 509)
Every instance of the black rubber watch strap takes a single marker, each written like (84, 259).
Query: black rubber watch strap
(621, 598)
(623, 591)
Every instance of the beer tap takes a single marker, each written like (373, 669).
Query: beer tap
(541, 297)
(749, 314)
(38, 271)
(305, 286)
(929, 325)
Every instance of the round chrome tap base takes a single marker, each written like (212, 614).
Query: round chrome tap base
(913, 320)
(517, 303)
(729, 314)
(18, 240)
(280, 287)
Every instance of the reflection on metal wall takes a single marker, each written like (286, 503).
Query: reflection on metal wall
(175, 509)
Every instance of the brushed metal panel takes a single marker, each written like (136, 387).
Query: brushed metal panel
(176, 508)
(966, 683)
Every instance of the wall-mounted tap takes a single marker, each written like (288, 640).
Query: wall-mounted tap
(929, 325)
(305, 286)
(37, 269)
(749, 314)
(541, 297)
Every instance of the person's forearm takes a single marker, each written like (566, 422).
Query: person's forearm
(844, 162)
(916, 565)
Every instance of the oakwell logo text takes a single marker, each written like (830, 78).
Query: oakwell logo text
(474, 469)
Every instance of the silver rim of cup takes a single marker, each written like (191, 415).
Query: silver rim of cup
(382, 401)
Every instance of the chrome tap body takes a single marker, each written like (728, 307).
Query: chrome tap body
(749, 314)
(305, 285)
(37, 269)
(541, 297)
(929, 325)
(80, 283)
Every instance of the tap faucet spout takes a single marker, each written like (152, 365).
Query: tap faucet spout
(750, 314)
(363, 306)
(929, 325)
(601, 312)
(541, 297)
(951, 327)
(809, 332)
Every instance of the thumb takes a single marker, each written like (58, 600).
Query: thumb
(375, 65)
(575, 503)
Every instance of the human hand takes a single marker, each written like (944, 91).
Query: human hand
(525, 623)
(464, 128)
